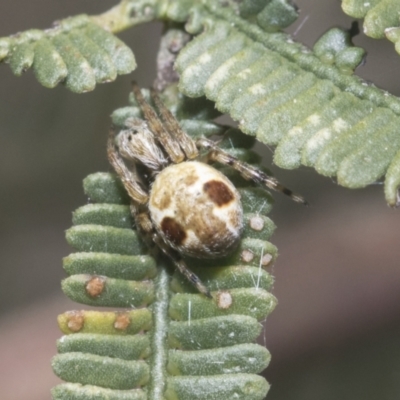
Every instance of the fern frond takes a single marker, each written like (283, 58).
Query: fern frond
(279, 91)
(80, 51)
(75, 51)
(306, 103)
(381, 18)
(167, 341)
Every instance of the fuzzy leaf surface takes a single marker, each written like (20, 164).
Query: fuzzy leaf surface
(306, 103)
(164, 330)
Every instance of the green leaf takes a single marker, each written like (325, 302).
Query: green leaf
(111, 268)
(211, 333)
(277, 14)
(335, 47)
(105, 239)
(378, 15)
(306, 103)
(91, 369)
(140, 267)
(76, 51)
(109, 292)
(224, 278)
(241, 386)
(132, 347)
(243, 358)
(114, 215)
(102, 187)
(95, 356)
(107, 322)
(253, 302)
(381, 18)
(75, 391)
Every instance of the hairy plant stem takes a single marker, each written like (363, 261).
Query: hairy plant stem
(127, 14)
(159, 336)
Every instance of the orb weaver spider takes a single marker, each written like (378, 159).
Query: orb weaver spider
(180, 205)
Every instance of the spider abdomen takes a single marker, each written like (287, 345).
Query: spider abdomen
(196, 210)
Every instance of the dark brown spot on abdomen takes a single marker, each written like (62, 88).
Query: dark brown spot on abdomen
(218, 192)
(173, 231)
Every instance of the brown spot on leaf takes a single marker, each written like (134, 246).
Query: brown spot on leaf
(173, 231)
(95, 286)
(256, 223)
(266, 260)
(76, 320)
(218, 192)
(247, 255)
(224, 300)
(122, 321)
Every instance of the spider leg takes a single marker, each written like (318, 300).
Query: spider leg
(182, 267)
(187, 144)
(128, 178)
(155, 242)
(170, 145)
(246, 170)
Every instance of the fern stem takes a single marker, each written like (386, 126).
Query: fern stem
(158, 341)
(126, 14)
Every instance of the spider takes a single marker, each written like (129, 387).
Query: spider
(180, 205)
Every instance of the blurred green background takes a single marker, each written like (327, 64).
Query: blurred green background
(334, 335)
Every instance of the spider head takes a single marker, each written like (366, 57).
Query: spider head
(137, 143)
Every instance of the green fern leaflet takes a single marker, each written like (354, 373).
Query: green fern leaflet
(167, 341)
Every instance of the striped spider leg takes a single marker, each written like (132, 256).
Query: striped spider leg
(248, 172)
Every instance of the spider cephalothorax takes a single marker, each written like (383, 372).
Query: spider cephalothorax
(181, 205)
